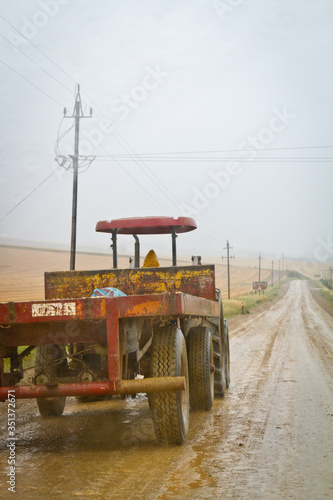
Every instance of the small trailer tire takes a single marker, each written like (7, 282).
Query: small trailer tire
(45, 358)
(170, 410)
(51, 407)
(201, 368)
(226, 354)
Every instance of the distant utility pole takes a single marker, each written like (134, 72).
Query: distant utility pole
(260, 259)
(227, 248)
(272, 272)
(77, 115)
(279, 271)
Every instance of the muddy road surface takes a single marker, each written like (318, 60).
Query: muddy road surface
(270, 437)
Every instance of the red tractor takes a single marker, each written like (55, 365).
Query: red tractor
(154, 330)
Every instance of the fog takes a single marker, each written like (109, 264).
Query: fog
(239, 92)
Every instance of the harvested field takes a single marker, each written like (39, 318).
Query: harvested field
(22, 270)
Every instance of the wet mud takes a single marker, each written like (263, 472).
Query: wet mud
(270, 437)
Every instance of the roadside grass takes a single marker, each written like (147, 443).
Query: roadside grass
(232, 307)
(325, 292)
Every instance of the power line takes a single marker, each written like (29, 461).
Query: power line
(109, 155)
(133, 155)
(211, 236)
(159, 187)
(62, 86)
(26, 79)
(19, 203)
(36, 63)
(56, 146)
(232, 150)
(39, 50)
(219, 159)
(137, 158)
(138, 183)
(166, 153)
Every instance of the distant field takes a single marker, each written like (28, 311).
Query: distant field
(22, 271)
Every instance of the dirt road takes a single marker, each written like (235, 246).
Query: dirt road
(271, 437)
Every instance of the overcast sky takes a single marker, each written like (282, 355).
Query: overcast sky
(242, 83)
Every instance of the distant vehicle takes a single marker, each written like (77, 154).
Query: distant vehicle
(154, 330)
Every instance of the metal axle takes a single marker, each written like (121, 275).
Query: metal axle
(147, 385)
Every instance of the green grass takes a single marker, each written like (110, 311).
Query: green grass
(325, 292)
(232, 307)
(28, 361)
(251, 300)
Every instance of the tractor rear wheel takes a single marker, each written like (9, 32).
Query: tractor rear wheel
(170, 410)
(201, 368)
(47, 359)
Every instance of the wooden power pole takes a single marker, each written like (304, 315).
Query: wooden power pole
(227, 248)
(77, 115)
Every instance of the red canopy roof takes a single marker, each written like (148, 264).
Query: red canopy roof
(147, 225)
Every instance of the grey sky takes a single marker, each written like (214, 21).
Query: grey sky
(172, 76)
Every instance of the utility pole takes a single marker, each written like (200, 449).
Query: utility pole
(260, 259)
(279, 271)
(227, 248)
(77, 115)
(272, 272)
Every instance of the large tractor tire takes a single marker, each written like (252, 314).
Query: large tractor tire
(47, 361)
(170, 410)
(201, 368)
(221, 354)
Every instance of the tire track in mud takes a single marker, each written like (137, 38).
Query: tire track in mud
(296, 445)
(234, 424)
(319, 325)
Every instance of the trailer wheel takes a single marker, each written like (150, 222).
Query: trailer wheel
(226, 354)
(170, 410)
(201, 368)
(46, 370)
(221, 353)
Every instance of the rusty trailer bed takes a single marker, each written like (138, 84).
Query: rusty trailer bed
(93, 320)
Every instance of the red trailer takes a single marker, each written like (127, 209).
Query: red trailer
(162, 333)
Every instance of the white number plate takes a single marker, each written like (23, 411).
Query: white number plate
(54, 309)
